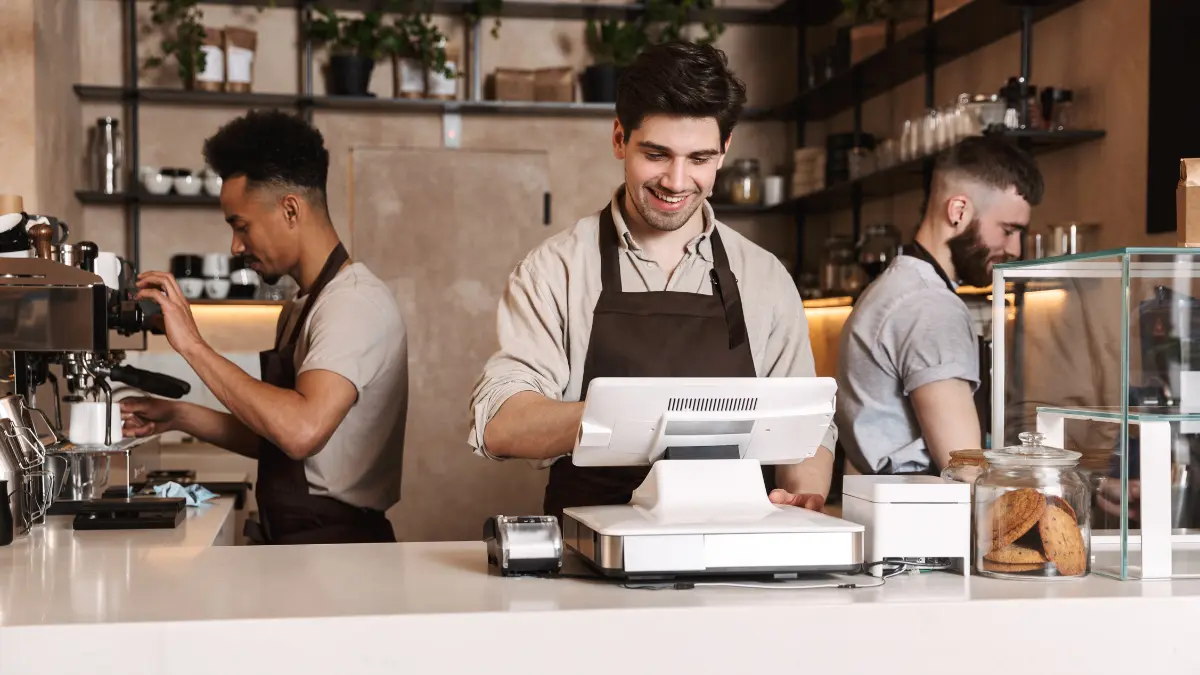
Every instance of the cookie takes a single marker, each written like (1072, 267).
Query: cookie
(991, 566)
(1014, 554)
(1062, 504)
(1013, 514)
(1063, 541)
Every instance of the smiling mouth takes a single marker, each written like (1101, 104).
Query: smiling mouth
(668, 198)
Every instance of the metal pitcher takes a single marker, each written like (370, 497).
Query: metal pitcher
(13, 407)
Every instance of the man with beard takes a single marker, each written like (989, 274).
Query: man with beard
(326, 421)
(908, 362)
(651, 286)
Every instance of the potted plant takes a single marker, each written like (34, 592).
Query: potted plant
(481, 8)
(614, 45)
(355, 44)
(667, 19)
(181, 19)
(864, 30)
(418, 48)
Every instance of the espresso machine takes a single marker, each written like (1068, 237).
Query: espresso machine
(57, 320)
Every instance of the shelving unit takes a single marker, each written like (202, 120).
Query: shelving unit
(132, 97)
(788, 12)
(207, 302)
(146, 199)
(904, 177)
(366, 103)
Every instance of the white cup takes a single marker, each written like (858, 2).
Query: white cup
(87, 423)
(216, 266)
(772, 190)
(108, 266)
(192, 288)
(216, 289)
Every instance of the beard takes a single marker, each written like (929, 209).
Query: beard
(971, 257)
(663, 221)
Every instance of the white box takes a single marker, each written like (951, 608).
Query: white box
(910, 517)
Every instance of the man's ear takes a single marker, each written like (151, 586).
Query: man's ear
(960, 211)
(291, 210)
(618, 140)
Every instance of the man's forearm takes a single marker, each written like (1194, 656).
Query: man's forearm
(217, 428)
(812, 476)
(531, 426)
(267, 411)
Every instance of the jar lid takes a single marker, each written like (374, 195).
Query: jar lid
(1031, 452)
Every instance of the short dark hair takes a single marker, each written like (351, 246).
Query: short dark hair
(271, 148)
(680, 78)
(993, 162)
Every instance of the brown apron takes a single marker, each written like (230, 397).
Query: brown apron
(652, 334)
(288, 513)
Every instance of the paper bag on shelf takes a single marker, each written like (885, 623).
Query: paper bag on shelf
(212, 78)
(1187, 202)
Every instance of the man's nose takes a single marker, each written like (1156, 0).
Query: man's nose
(675, 178)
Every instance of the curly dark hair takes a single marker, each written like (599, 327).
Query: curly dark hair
(680, 78)
(271, 148)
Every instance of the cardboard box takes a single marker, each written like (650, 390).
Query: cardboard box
(1187, 203)
(555, 85)
(512, 84)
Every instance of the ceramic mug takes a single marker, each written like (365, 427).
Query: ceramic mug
(108, 266)
(87, 423)
(216, 266)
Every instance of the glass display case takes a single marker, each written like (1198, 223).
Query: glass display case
(1100, 353)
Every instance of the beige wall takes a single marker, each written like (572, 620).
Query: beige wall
(1100, 48)
(39, 133)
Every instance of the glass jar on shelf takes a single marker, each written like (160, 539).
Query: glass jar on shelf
(880, 245)
(1032, 513)
(745, 184)
(839, 274)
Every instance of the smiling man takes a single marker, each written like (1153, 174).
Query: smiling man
(909, 359)
(651, 286)
(326, 422)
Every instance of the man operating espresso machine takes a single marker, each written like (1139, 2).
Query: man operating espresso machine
(61, 305)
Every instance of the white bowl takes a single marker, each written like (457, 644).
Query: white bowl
(188, 186)
(156, 183)
(212, 185)
(192, 288)
(217, 289)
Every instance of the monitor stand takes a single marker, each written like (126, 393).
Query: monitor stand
(709, 517)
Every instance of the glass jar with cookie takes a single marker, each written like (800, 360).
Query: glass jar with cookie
(1031, 509)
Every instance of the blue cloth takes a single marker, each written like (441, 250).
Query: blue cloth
(194, 495)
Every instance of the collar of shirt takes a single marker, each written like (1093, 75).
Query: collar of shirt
(699, 245)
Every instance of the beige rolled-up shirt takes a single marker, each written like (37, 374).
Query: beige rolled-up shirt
(544, 320)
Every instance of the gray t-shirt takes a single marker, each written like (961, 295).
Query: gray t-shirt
(907, 330)
(356, 331)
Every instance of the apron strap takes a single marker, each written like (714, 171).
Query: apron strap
(725, 287)
(919, 252)
(332, 265)
(610, 250)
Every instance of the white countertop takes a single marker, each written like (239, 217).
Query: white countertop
(56, 538)
(421, 607)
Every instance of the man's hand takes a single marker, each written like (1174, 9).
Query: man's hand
(808, 501)
(145, 416)
(177, 313)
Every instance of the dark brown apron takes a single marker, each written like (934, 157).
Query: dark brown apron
(288, 513)
(652, 334)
